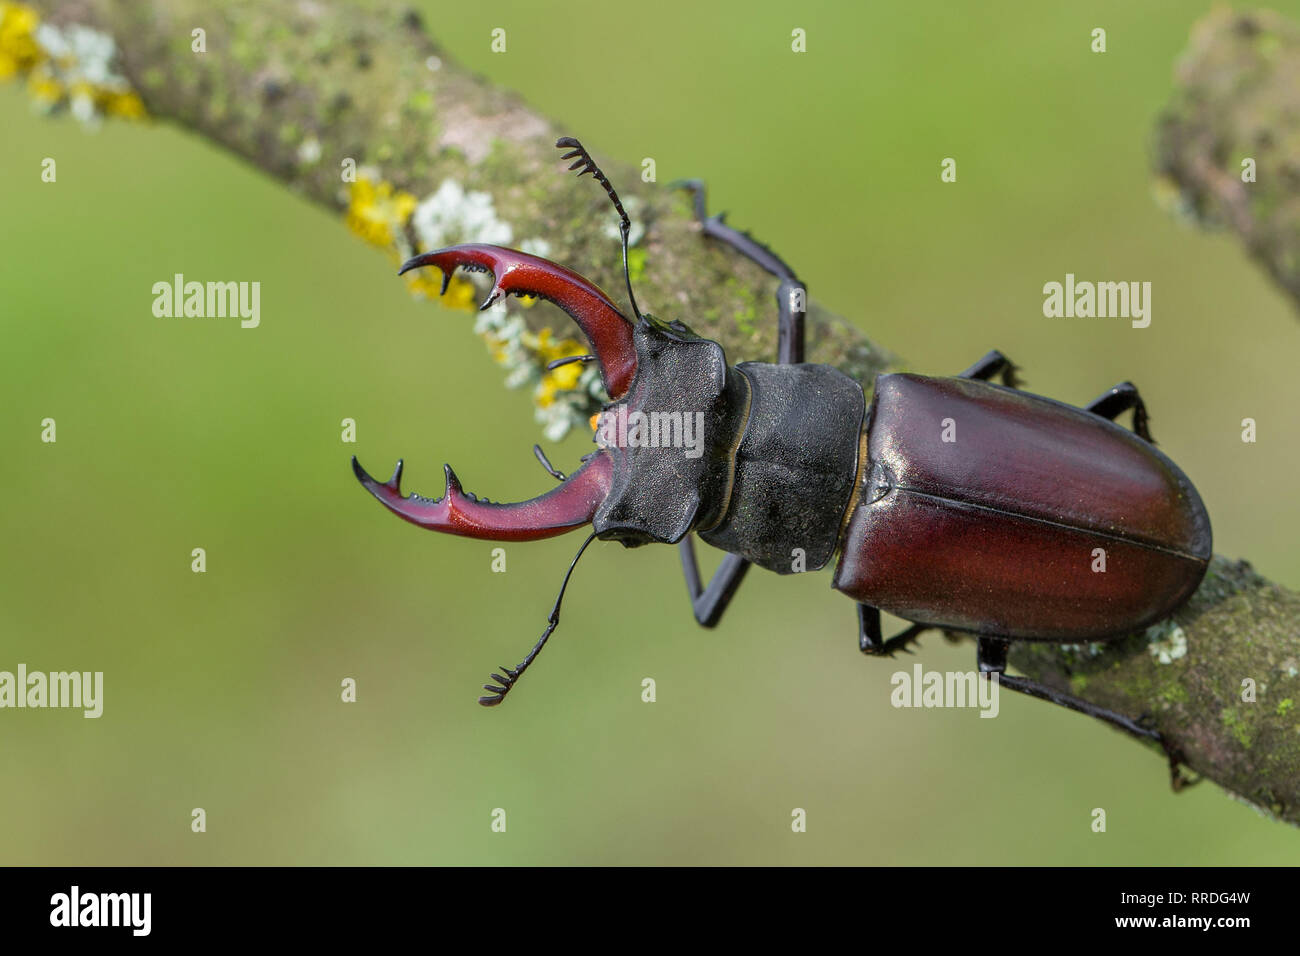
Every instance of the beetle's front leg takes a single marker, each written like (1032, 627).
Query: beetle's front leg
(791, 295)
(872, 642)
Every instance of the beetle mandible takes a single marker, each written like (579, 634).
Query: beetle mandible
(996, 533)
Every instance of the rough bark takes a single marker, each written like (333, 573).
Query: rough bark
(356, 78)
(1237, 98)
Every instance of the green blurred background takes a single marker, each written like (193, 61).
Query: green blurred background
(222, 689)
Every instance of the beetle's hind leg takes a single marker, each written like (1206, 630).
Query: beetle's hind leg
(1115, 401)
(873, 643)
(992, 658)
(995, 363)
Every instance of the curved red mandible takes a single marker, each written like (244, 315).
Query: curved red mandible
(518, 273)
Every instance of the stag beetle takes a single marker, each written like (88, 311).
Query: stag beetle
(995, 533)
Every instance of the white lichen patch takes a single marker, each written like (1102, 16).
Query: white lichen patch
(452, 215)
(309, 151)
(75, 69)
(505, 334)
(1091, 649)
(1168, 642)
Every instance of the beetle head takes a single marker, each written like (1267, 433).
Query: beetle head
(670, 438)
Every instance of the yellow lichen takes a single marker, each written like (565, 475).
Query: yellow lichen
(127, 105)
(64, 66)
(546, 349)
(377, 211)
(44, 87)
(19, 51)
(460, 292)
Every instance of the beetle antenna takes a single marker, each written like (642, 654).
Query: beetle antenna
(569, 360)
(507, 680)
(588, 165)
(546, 463)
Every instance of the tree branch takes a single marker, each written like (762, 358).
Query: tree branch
(1236, 99)
(298, 86)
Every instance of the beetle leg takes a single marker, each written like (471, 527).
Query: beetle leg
(1115, 401)
(710, 602)
(791, 294)
(992, 660)
(792, 302)
(872, 642)
(992, 364)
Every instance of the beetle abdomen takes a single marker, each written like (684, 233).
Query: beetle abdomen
(992, 510)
